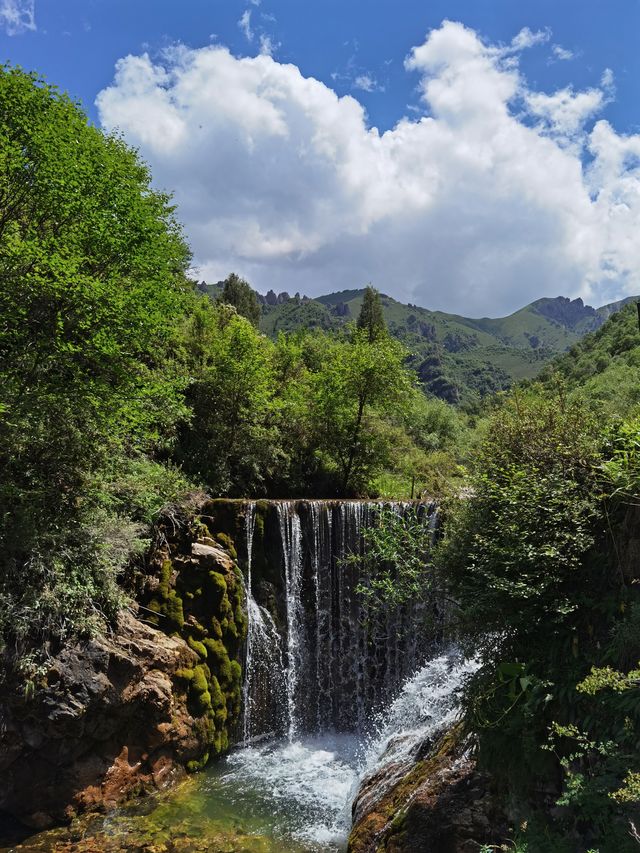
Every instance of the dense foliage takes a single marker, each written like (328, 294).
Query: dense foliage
(603, 367)
(91, 273)
(123, 385)
(536, 560)
(239, 293)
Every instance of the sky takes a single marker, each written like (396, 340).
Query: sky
(468, 155)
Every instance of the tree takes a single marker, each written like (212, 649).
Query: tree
(371, 318)
(359, 382)
(231, 441)
(92, 279)
(239, 293)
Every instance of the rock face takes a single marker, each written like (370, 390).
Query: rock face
(442, 804)
(109, 722)
(131, 711)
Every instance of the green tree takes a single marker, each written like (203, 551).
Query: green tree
(92, 280)
(371, 317)
(231, 442)
(239, 293)
(360, 382)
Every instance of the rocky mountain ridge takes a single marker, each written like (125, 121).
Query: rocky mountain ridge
(459, 359)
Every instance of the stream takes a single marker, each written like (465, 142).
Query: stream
(278, 796)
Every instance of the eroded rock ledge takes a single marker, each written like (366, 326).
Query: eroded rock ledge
(133, 710)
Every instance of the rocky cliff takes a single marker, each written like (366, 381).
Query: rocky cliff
(133, 710)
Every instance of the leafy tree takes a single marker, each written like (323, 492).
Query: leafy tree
(371, 317)
(360, 381)
(92, 279)
(239, 293)
(231, 441)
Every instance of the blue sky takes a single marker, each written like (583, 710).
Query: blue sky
(76, 43)
(479, 234)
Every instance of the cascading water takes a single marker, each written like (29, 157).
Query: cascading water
(425, 707)
(340, 662)
(304, 789)
(264, 669)
(291, 533)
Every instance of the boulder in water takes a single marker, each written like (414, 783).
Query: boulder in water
(441, 804)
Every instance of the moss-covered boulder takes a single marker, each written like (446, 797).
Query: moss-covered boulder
(439, 804)
(195, 592)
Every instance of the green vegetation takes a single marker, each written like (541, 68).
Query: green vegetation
(537, 559)
(458, 359)
(371, 317)
(124, 386)
(239, 293)
(603, 367)
(91, 274)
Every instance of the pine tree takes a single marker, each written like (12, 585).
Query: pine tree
(371, 318)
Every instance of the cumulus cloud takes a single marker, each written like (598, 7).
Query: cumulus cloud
(17, 16)
(496, 195)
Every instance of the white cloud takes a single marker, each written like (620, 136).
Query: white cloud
(470, 207)
(367, 83)
(565, 112)
(17, 16)
(245, 25)
(529, 38)
(267, 46)
(562, 53)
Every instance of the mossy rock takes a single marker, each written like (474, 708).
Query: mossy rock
(207, 609)
(166, 571)
(227, 542)
(174, 611)
(185, 674)
(218, 587)
(198, 647)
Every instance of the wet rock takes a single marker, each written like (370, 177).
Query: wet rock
(212, 556)
(440, 804)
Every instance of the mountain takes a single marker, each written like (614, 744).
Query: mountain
(603, 366)
(459, 359)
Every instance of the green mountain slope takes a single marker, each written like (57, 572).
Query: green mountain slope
(605, 365)
(459, 359)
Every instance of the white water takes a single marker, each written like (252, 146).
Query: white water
(263, 684)
(291, 533)
(308, 783)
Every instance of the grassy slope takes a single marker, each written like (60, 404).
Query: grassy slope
(605, 365)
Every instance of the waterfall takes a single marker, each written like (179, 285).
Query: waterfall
(425, 708)
(291, 533)
(264, 670)
(342, 660)
(306, 787)
(252, 618)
